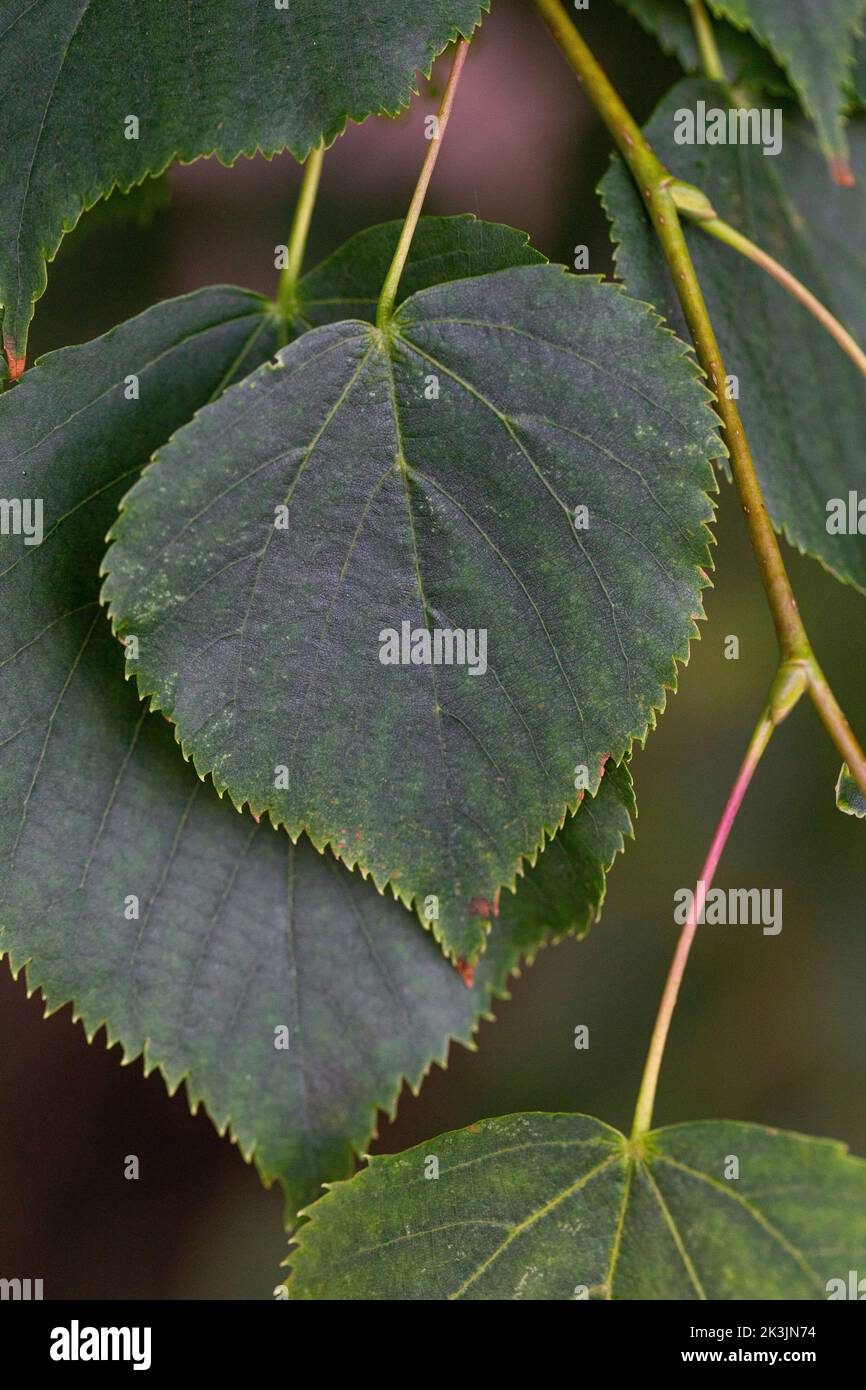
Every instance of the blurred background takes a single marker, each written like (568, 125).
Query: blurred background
(768, 1028)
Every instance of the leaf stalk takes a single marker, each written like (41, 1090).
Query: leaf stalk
(788, 685)
(387, 298)
(290, 274)
(711, 59)
(715, 226)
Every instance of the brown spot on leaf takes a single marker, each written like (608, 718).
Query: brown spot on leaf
(16, 364)
(466, 972)
(484, 907)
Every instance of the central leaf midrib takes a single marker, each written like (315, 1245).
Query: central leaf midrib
(401, 461)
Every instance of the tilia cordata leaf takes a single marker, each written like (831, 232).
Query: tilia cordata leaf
(407, 588)
(564, 1208)
(290, 996)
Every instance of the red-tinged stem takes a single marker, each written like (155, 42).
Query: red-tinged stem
(789, 685)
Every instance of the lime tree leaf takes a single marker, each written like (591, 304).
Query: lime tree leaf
(849, 797)
(372, 489)
(181, 81)
(800, 397)
(815, 45)
(192, 933)
(813, 41)
(746, 62)
(560, 1207)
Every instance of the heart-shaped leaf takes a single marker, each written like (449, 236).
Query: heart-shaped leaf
(406, 589)
(291, 997)
(96, 94)
(800, 397)
(562, 1207)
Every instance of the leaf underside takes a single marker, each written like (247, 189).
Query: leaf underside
(558, 1207)
(227, 78)
(800, 397)
(238, 932)
(426, 479)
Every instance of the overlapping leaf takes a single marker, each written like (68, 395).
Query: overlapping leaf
(560, 1207)
(815, 45)
(229, 77)
(195, 935)
(419, 480)
(814, 41)
(800, 397)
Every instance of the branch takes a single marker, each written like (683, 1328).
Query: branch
(657, 185)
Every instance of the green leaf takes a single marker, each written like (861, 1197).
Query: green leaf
(746, 62)
(815, 46)
(220, 78)
(427, 475)
(560, 1207)
(849, 797)
(800, 397)
(137, 208)
(238, 932)
(812, 40)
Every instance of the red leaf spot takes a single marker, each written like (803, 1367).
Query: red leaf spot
(466, 972)
(484, 907)
(840, 171)
(16, 364)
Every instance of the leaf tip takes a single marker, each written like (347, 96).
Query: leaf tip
(840, 171)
